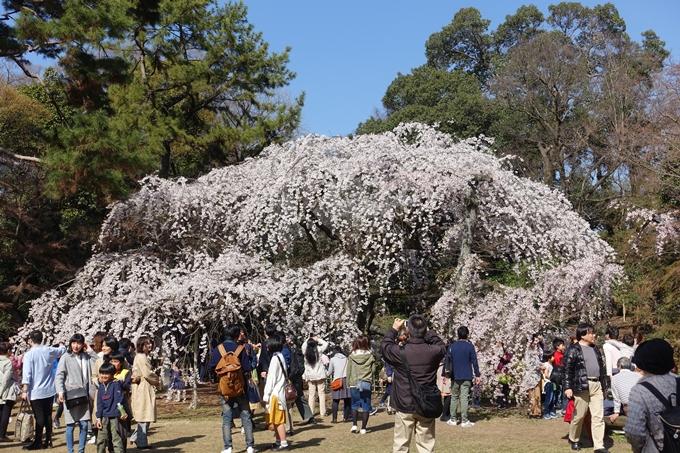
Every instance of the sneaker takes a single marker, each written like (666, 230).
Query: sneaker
(227, 450)
(353, 429)
(452, 422)
(363, 431)
(250, 450)
(92, 440)
(373, 411)
(381, 404)
(389, 410)
(281, 448)
(243, 430)
(57, 425)
(554, 416)
(467, 424)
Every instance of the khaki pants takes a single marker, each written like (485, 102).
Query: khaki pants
(319, 385)
(593, 399)
(535, 409)
(407, 424)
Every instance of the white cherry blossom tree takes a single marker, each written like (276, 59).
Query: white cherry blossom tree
(322, 234)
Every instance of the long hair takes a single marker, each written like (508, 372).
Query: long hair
(361, 343)
(312, 352)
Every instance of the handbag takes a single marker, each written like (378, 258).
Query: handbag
(253, 392)
(291, 393)
(427, 399)
(337, 383)
(569, 411)
(76, 397)
(25, 427)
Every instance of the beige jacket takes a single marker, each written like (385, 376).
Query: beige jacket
(143, 401)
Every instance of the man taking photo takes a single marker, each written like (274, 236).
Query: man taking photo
(423, 350)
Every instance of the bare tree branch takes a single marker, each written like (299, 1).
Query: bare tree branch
(19, 156)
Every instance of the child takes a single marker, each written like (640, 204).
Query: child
(560, 399)
(176, 385)
(549, 389)
(503, 397)
(110, 398)
(123, 376)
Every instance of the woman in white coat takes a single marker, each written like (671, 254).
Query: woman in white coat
(73, 372)
(274, 394)
(315, 372)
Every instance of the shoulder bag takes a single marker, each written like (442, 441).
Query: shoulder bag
(78, 396)
(291, 393)
(337, 383)
(427, 399)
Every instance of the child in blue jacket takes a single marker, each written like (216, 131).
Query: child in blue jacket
(110, 398)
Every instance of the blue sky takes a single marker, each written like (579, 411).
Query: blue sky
(346, 53)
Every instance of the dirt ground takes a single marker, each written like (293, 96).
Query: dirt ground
(180, 429)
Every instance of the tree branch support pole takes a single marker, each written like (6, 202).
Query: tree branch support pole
(196, 377)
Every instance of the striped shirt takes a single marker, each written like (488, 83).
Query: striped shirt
(621, 385)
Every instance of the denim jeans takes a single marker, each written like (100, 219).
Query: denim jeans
(360, 399)
(140, 436)
(240, 404)
(460, 389)
(549, 404)
(82, 439)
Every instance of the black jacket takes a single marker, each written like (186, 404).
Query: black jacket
(575, 375)
(423, 356)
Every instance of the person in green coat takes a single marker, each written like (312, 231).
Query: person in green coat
(359, 378)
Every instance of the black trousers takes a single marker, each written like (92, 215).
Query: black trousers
(42, 409)
(5, 412)
(301, 402)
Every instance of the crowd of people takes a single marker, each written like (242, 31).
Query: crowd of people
(98, 388)
(102, 387)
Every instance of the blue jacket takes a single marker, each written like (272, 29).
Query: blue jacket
(108, 397)
(464, 359)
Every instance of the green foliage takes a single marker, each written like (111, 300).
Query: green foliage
(106, 163)
(511, 275)
(464, 44)
(22, 121)
(427, 95)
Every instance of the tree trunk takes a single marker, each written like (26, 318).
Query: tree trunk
(165, 162)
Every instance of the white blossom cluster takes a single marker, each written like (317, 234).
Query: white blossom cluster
(309, 232)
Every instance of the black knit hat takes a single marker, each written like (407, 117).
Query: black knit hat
(654, 356)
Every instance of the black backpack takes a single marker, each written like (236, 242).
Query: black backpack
(427, 399)
(448, 366)
(297, 363)
(556, 374)
(670, 419)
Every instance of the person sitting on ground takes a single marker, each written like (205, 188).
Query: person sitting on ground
(622, 383)
(644, 429)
